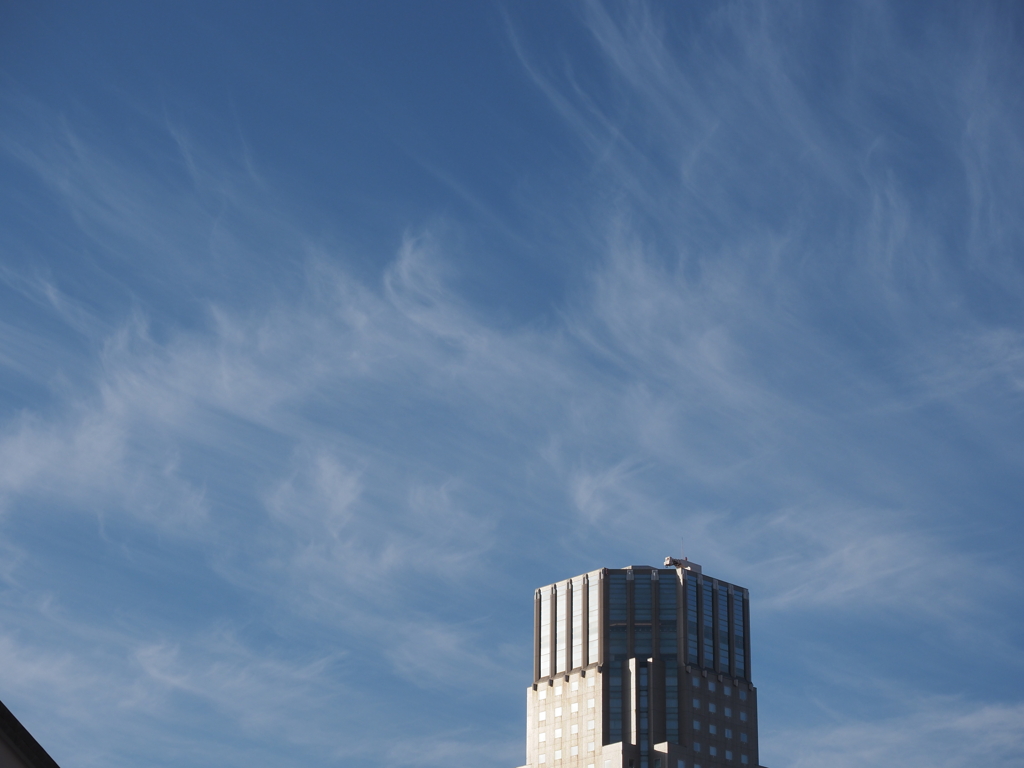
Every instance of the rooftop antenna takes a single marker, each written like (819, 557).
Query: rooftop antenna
(681, 564)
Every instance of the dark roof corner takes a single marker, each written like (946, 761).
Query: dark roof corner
(20, 743)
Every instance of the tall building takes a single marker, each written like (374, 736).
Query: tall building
(642, 667)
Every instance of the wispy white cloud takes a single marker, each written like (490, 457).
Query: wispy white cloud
(942, 732)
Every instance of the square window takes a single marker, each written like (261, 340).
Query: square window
(542, 695)
(542, 716)
(727, 690)
(680, 764)
(573, 751)
(696, 746)
(558, 690)
(575, 685)
(574, 707)
(728, 733)
(711, 685)
(696, 703)
(696, 725)
(542, 737)
(696, 682)
(728, 754)
(728, 711)
(558, 711)
(574, 729)
(743, 759)
(558, 733)
(590, 703)
(590, 748)
(711, 708)
(743, 695)
(590, 682)
(713, 751)
(542, 759)
(712, 728)
(743, 738)
(558, 754)
(743, 716)
(590, 725)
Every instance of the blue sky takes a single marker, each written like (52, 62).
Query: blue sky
(330, 331)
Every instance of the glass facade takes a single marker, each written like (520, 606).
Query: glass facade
(738, 630)
(707, 611)
(615, 651)
(723, 627)
(691, 620)
(643, 712)
(643, 637)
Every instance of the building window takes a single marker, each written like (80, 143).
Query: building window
(590, 725)
(542, 694)
(573, 751)
(574, 707)
(558, 711)
(708, 659)
(712, 728)
(743, 737)
(590, 748)
(723, 627)
(738, 632)
(696, 725)
(558, 754)
(590, 703)
(696, 682)
(575, 685)
(542, 716)
(558, 690)
(542, 737)
(743, 695)
(728, 733)
(558, 733)
(743, 759)
(728, 711)
(590, 682)
(743, 716)
(728, 754)
(711, 685)
(574, 728)
(696, 703)
(691, 620)
(713, 751)
(727, 690)
(712, 707)
(542, 758)
(696, 746)
(680, 764)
